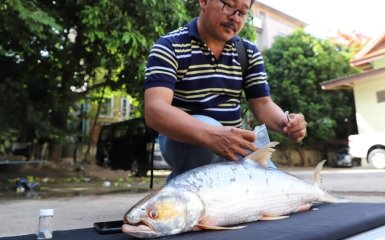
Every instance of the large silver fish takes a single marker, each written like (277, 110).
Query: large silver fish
(220, 195)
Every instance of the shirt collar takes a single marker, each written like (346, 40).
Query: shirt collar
(193, 29)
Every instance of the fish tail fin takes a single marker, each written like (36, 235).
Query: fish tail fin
(263, 154)
(326, 197)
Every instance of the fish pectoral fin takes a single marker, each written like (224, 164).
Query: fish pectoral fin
(209, 227)
(304, 207)
(271, 218)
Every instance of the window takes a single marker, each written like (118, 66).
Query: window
(106, 134)
(124, 108)
(120, 131)
(107, 107)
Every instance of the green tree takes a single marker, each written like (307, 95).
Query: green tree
(56, 54)
(24, 28)
(296, 65)
(53, 51)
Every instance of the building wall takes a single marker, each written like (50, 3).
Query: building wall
(114, 109)
(271, 23)
(370, 112)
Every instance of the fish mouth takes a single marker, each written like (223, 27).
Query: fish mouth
(140, 229)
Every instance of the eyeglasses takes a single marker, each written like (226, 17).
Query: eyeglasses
(230, 11)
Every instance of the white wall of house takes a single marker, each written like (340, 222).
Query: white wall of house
(274, 28)
(380, 63)
(370, 112)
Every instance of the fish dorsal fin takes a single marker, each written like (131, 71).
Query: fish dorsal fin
(209, 227)
(317, 173)
(263, 154)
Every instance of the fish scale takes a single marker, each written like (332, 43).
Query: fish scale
(220, 195)
(254, 194)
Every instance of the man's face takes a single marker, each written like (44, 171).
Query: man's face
(224, 18)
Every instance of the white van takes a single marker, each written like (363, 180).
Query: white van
(369, 147)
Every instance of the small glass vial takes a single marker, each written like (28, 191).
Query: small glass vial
(45, 224)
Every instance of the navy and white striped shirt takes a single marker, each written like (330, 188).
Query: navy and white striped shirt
(201, 84)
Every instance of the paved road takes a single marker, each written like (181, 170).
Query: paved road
(20, 217)
(361, 184)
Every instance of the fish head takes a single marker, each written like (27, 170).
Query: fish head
(164, 212)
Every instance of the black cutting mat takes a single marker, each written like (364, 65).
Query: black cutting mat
(329, 221)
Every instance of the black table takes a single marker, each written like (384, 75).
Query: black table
(325, 221)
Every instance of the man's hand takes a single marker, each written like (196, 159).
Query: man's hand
(230, 142)
(294, 126)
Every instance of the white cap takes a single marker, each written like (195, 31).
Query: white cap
(46, 212)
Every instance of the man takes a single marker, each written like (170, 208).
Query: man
(193, 86)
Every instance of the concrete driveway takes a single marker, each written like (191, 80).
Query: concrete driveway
(20, 217)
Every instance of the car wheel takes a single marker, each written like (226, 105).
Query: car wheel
(137, 170)
(106, 162)
(134, 168)
(376, 158)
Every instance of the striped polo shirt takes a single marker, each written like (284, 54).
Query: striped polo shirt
(202, 84)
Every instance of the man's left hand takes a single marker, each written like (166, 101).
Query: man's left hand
(294, 126)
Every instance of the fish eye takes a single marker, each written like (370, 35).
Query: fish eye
(153, 213)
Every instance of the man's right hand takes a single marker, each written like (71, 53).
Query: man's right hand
(227, 142)
(230, 142)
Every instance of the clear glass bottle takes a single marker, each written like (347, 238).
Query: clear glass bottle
(45, 224)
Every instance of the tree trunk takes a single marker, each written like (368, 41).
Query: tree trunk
(55, 153)
(87, 158)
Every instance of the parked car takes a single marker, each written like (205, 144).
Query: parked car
(342, 158)
(369, 147)
(128, 145)
(21, 149)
